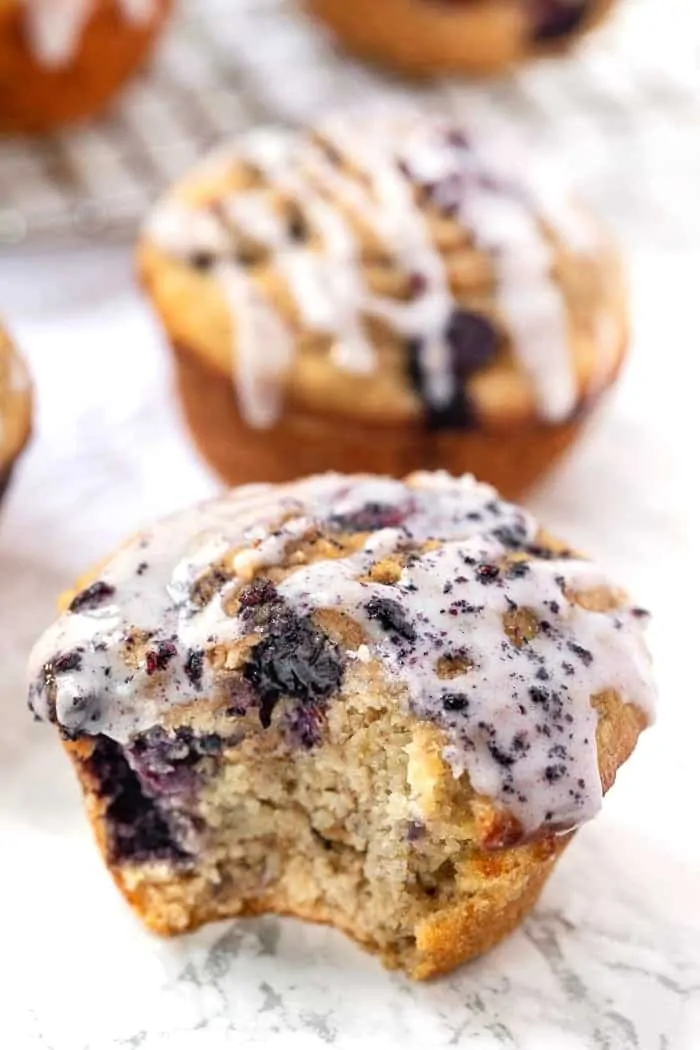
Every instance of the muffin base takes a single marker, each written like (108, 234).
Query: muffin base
(36, 98)
(302, 444)
(425, 39)
(443, 943)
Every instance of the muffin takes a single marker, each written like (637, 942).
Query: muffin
(430, 37)
(386, 291)
(15, 408)
(377, 704)
(63, 60)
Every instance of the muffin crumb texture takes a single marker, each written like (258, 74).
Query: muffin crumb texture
(379, 704)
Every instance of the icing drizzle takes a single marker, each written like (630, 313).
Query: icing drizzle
(499, 654)
(54, 27)
(375, 174)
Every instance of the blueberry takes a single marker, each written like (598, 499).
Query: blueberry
(554, 773)
(92, 597)
(455, 701)
(295, 660)
(158, 659)
(66, 662)
(456, 414)
(511, 536)
(416, 830)
(556, 19)
(257, 601)
(194, 667)
(487, 573)
(473, 341)
(137, 830)
(391, 616)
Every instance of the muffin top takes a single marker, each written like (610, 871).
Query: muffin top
(15, 402)
(393, 265)
(429, 593)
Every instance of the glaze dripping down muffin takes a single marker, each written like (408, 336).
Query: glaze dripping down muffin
(63, 60)
(384, 705)
(431, 37)
(388, 289)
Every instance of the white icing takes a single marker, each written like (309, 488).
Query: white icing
(54, 27)
(525, 727)
(486, 188)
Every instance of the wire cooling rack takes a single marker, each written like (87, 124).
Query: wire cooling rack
(619, 114)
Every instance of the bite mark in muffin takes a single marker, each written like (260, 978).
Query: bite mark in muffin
(349, 729)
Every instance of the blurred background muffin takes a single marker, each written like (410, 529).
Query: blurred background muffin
(63, 60)
(479, 37)
(15, 408)
(394, 291)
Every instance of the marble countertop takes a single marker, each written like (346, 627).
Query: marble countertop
(610, 959)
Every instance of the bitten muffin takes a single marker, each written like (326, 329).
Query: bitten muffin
(428, 37)
(386, 291)
(63, 60)
(15, 408)
(378, 704)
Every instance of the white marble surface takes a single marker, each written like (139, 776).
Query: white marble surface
(610, 959)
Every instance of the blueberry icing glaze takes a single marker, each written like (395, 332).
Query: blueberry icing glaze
(402, 161)
(481, 631)
(54, 27)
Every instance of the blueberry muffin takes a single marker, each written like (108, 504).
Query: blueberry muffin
(15, 408)
(388, 291)
(429, 37)
(63, 60)
(378, 704)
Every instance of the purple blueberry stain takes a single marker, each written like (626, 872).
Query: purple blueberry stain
(557, 19)
(370, 518)
(137, 826)
(416, 830)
